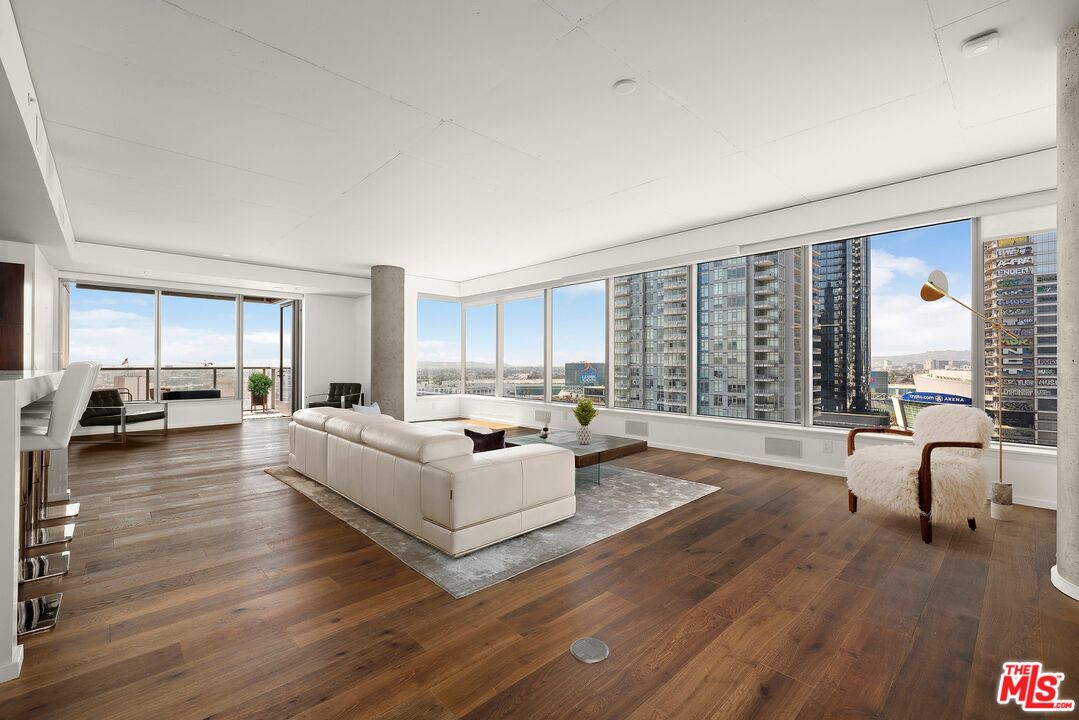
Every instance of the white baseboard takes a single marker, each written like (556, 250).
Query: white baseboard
(1034, 502)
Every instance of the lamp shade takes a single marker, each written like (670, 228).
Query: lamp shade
(935, 287)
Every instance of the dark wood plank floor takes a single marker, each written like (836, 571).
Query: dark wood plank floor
(202, 587)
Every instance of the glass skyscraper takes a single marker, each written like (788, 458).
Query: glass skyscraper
(651, 340)
(1021, 291)
(749, 334)
(841, 352)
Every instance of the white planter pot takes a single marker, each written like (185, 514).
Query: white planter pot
(584, 435)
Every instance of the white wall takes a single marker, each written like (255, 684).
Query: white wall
(46, 351)
(333, 342)
(1032, 471)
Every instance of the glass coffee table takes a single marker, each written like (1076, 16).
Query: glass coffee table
(603, 448)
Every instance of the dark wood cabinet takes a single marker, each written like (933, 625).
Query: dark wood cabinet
(12, 276)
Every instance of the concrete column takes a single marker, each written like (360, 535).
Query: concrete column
(1065, 573)
(388, 339)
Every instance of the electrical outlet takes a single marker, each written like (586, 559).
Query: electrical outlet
(828, 447)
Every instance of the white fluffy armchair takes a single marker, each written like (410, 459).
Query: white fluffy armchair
(938, 478)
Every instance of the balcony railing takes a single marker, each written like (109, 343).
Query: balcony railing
(139, 381)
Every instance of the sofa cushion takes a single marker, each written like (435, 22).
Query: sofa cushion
(485, 442)
(372, 409)
(316, 418)
(351, 426)
(415, 442)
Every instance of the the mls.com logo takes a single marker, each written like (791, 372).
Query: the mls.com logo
(1025, 684)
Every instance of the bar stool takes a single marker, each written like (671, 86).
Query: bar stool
(36, 442)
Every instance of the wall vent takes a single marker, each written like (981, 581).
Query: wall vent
(543, 416)
(784, 447)
(636, 427)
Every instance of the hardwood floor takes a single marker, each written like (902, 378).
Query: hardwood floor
(201, 587)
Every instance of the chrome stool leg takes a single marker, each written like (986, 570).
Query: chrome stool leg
(58, 510)
(38, 614)
(42, 566)
(38, 536)
(41, 613)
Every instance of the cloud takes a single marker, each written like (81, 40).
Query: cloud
(886, 267)
(437, 351)
(902, 324)
(106, 318)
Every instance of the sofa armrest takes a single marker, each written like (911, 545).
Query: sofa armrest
(462, 491)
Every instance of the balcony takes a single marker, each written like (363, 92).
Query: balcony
(139, 381)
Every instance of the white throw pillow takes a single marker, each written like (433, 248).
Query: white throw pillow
(372, 409)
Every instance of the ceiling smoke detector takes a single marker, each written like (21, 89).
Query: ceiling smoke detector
(981, 44)
(624, 86)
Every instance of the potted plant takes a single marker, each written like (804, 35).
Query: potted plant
(259, 385)
(585, 412)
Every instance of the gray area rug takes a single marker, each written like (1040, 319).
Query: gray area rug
(626, 498)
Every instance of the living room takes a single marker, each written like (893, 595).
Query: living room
(544, 359)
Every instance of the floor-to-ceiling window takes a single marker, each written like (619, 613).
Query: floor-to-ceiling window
(523, 333)
(179, 341)
(881, 354)
(480, 349)
(114, 327)
(438, 347)
(579, 342)
(651, 340)
(198, 343)
(749, 337)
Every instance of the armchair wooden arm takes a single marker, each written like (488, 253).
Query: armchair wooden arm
(883, 430)
(925, 483)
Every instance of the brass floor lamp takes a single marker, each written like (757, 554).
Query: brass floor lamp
(935, 288)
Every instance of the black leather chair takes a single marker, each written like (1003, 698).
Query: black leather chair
(107, 407)
(340, 395)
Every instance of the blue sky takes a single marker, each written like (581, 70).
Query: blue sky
(109, 326)
(902, 323)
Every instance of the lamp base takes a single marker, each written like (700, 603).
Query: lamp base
(1001, 506)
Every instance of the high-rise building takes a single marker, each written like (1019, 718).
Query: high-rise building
(841, 352)
(1021, 291)
(651, 340)
(749, 330)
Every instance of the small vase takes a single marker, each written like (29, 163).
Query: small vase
(584, 435)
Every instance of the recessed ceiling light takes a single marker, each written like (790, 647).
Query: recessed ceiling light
(226, 254)
(624, 86)
(981, 44)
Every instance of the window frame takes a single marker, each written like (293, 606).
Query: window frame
(66, 280)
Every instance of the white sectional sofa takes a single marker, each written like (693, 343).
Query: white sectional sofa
(428, 482)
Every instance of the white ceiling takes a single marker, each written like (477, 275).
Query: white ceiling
(459, 139)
